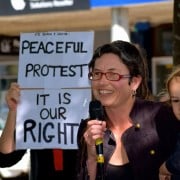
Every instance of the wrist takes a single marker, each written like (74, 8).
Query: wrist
(91, 168)
(91, 150)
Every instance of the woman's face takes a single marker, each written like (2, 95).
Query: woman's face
(112, 93)
(174, 91)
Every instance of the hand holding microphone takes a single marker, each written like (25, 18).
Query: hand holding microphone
(96, 112)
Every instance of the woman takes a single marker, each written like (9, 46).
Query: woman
(138, 134)
(172, 166)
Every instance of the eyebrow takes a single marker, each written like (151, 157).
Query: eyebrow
(175, 97)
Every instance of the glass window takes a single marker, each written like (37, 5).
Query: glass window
(8, 74)
(161, 67)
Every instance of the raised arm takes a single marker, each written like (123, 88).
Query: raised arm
(7, 141)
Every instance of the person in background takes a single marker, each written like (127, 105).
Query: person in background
(138, 133)
(171, 167)
(50, 164)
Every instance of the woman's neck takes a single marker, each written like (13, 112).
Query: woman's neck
(119, 117)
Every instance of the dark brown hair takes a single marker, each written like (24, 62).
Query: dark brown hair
(134, 59)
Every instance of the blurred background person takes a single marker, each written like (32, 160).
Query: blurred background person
(171, 168)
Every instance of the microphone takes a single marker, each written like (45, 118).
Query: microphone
(96, 112)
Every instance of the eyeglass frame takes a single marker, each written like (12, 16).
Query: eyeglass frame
(120, 76)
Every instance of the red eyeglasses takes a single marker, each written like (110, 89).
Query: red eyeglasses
(111, 76)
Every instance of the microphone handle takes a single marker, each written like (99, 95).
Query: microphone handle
(100, 170)
(99, 150)
(100, 159)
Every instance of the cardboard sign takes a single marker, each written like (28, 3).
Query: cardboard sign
(55, 91)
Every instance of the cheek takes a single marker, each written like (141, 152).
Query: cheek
(122, 87)
(94, 86)
(176, 110)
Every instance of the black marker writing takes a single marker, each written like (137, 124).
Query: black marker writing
(35, 47)
(37, 70)
(49, 132)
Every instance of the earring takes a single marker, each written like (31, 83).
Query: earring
(133, 93)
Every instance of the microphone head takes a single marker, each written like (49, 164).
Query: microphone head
(95, 110)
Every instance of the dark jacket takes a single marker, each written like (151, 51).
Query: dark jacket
(7, 160)
(42, 164)
(173, 162)
(148, 143)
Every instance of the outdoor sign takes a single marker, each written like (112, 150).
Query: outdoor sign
(112, 3)
(55, 90)
(18, 7)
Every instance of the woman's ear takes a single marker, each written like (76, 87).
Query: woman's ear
(135, 82)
